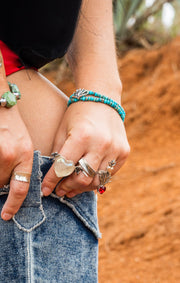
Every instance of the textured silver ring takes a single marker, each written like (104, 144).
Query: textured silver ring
(21, 176)
(86, 168)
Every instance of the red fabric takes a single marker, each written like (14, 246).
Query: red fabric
(12, 63)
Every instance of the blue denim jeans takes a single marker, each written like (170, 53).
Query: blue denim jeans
(50, 239)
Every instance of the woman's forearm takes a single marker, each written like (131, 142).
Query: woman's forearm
(92, 54)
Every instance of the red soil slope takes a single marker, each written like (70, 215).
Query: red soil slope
(139, 215)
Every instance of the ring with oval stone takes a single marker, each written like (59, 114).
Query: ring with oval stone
(62, 166)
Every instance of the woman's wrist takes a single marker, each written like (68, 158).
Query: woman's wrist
(91, 96)
(111, 90)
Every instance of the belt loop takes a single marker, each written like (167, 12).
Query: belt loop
(33, 197)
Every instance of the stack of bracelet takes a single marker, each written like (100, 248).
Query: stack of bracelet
(9, 98)
(86, 95)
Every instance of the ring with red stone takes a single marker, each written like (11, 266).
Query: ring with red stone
(104, 178)
(101, 189)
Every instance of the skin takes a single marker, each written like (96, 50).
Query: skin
(42, 121)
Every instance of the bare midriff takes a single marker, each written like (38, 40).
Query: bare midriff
(42, 107)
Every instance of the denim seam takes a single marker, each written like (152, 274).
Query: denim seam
(4, 190)
(29, 259)
(35, 226)
(6, 186)
(79, 213)
(40, 162)
(4, 193)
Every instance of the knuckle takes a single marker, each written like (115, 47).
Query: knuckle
(8, 155)
(85, 135)
(106, 144)
(84, 181)
(20, 191)
(27, 150)
(125, 152)
(49, 182)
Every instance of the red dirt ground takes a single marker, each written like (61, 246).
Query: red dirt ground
(139, 215)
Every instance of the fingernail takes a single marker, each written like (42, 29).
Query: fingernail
(46, 191)
(60, 193)
(6, 216)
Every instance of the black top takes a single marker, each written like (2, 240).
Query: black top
(38, 31)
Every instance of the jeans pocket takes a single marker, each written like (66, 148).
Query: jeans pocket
(85, 208)
(29, 218)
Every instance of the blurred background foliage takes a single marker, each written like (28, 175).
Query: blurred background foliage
(145, 23)
(138, 24)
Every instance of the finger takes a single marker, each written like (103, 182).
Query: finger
(80, 182)
(70, 151)
(119, 161)
(73, 193)
(118, 152)
(17, 193)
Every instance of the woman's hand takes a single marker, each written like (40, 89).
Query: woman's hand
(91, 130)
(95, 132)
(16, 152)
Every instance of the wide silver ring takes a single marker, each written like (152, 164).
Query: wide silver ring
(86, 168)
(21, 176)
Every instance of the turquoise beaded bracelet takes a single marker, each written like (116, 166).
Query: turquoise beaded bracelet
(88, 95)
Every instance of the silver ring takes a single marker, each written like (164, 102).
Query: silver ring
(86, 168)
(21, 176)
(3, 102)
(104, 177)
